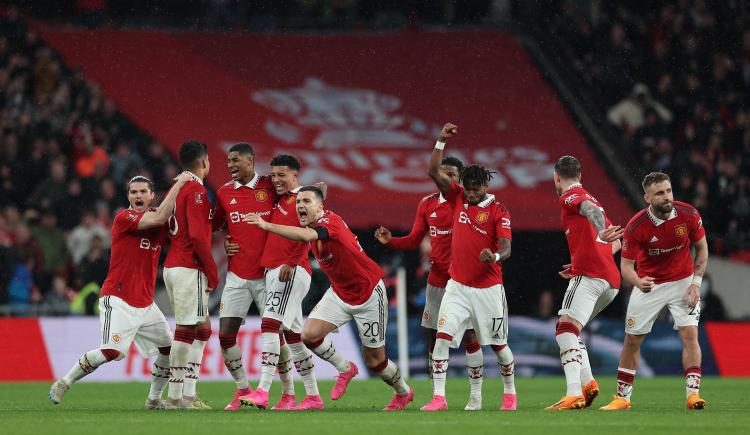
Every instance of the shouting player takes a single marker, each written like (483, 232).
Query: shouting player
(474, 296)
(126, 303)
(657, 241)
(357, 292)
(435, 215)
(189, 274)
(249, 192)
(288, 279)
(594, 279)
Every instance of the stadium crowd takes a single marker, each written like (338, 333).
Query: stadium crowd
(65, 154)
(674, 79)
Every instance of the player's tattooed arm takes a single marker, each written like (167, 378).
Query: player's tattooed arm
(595, 215)
(160, 216)
(442, 181)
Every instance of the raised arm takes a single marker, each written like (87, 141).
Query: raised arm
(297, 234)
(160, 216)
(442, 181)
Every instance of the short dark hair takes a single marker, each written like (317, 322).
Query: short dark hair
(453, 161)
(653, 178)
(191, 152)
(568, 167)
(141, 179)
(286, 160)
(475, 175)
(243, 148)
(314, 189)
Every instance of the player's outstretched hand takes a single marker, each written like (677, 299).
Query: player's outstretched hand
(383, 235)
(646, 284)
(229, 247)
(565, 272)
(692, 295)
(183, 177)
(254, 219)
(611, 233)
(285, 273)
(449, 130)
(487, 256)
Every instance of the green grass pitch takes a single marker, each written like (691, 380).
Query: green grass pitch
(108, 408)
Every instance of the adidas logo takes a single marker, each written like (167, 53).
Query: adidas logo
(233, 201)
(271, 310)
(496, 336)
(372, 340)
(433, 215)
(653, 239)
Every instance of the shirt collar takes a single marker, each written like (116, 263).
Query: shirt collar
(487, 201)
(656, 221)
(573, 186)
(196, 178)
(250, 184)
(441, 199)
(296, 189)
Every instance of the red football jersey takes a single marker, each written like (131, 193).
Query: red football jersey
(661, 249)
(476, 227)
(279, 250)
(589, 255)
(190, 232)
(133, 261)
(436, 214)
(352, 273)
(233, 202)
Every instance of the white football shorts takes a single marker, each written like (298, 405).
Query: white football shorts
(371, 316)
(483, 309)
(284, 299)
(123, 324)
(186, 288)
(239, 294)
(586, 297)
(644, 308)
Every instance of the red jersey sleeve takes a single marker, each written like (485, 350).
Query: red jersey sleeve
(332, 225)
(417, 233)
(218, 215)
(571, 201)
(697, 231)
(630, 244)
(198, 209)
(127, 221)
(454, 193)
(502, 226)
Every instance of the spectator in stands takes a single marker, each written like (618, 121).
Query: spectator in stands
(125, 159)
(52, 241)
(94, 266)
(57, 301)
(70, 208)
(629, 113)
(80, 239)
(52, 190)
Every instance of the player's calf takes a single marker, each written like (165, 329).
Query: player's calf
(86, 365)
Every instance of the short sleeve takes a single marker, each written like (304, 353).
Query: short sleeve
(697, 231)
(454, 193)
(503, 224)
(127, 221)
(572, 201)
(331, 225)
(630, 244)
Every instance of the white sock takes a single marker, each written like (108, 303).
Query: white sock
(625, 379)
(195, 358)
(327, 351)
(178, 361)
(439, 366)
(285, 371)
(270, 359)
(85, 365)
(692, 380)
(233, 363)
(507, 369)
(392, 376)
(475, 368)
(159, 376)
(303, 362)
(570, 357)
(586, 374)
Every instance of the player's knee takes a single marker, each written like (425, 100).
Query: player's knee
(311, 339)
(632, 342)
(375, 357)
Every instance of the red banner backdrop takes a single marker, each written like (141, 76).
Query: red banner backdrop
(362, 112)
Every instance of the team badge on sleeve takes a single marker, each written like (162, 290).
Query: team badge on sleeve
(261, 196)
(681, 230)
(198, 198)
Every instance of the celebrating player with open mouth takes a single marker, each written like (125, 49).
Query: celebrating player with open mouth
(126, 303)
(593, 279)
(657, 241)
(357, 292)
(435, 215)
(474, 296)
